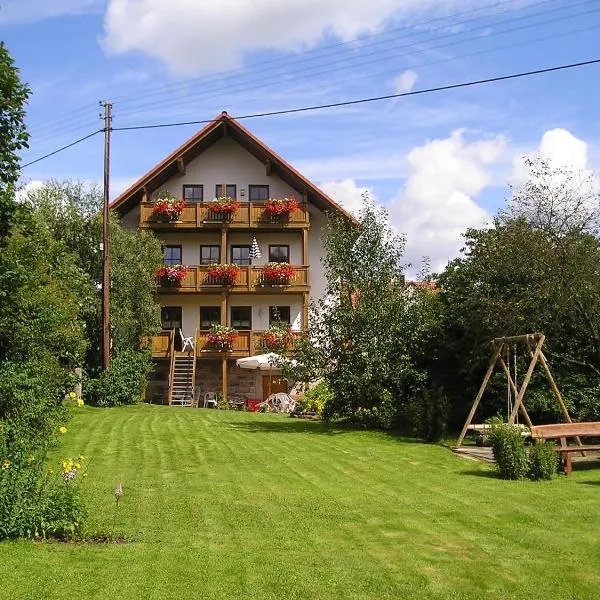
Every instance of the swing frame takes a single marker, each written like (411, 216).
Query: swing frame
(498, 347)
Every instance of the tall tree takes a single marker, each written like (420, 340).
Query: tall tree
(13, 135)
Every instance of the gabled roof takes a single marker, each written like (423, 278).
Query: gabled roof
(223, 126)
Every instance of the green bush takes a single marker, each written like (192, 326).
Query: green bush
(543, 461)
(509, 451)
(314, 400)
(123, 383)
(433, 413)
(381, 415)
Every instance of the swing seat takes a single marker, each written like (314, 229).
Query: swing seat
(484, 428)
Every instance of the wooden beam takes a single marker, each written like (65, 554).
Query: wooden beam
(224, 378)
(268, 167)
(518, 338)
(223, 308)
(490, 370)
(181, 166)
(305, 247)
(305, 311)
(225, 130)
(223, 245)
(145, 195)
(534, 358)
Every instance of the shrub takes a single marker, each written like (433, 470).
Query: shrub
(433, 415)
(123, 383)
(314, 400)
(379, 416)
(509, 451)
(543, 461)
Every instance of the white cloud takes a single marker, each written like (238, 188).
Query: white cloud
(347, 193)
(405, 82)
(437, 202)
(27, 11)
(193, 36)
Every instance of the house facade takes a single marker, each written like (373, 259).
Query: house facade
(268, 217)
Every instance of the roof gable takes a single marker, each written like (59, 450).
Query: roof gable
(223, 126)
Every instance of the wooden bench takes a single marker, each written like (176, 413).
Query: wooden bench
(563, 431)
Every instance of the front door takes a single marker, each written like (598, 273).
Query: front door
(278, 384)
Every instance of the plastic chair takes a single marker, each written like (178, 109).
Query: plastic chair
(186, 341)
(210, 398)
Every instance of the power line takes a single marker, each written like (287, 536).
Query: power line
(328, 67)
(62, 148)
(333, 104)
(168, 87)
(375, 98)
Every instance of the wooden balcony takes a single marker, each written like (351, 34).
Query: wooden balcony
(250, 279)
(246, 343)
(198, 216)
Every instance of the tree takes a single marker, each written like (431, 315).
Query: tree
(13, 135)
(364, 335)
(535, 270)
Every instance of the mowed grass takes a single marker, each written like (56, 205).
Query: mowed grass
(241, 505)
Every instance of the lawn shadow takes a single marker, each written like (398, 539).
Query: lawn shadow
(589, 482)
(487, 474)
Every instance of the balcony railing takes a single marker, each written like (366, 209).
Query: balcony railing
(249, 279)
(246, 343)
(251, 214)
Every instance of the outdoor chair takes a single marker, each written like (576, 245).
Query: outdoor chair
(210, 399)
(186, 341)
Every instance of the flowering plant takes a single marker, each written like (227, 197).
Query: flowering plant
(224, 205)
(276, 273)
(172, 274)
(71, 467)
(277, 337)
(221, 336)
(281, 206)
(168, 207)
(225, 274)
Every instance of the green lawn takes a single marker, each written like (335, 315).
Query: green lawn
(241, 505)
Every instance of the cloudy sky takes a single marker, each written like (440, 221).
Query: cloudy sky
(438, 162)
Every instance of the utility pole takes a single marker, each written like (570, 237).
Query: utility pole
(105, 241)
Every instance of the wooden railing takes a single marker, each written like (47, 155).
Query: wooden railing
(198, 215)
(161, 344)
(171, 368)
(246, 343)
(249, 279)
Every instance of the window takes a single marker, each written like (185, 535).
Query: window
(258, 193)
(193, 193)
(279, 314)
(209, 316)
(170, 317)
(241, 317)
(230, 190)
(172, 255)
(279, 254)
(240, 255)
(210, 255)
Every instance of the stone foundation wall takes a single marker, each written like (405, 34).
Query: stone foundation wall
(241, 382)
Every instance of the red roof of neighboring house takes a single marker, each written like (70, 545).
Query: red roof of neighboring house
(221, 126)
(431, 286)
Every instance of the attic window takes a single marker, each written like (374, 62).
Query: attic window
(193, 192)
(258, 193)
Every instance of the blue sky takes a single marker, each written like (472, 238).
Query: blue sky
(438, 162)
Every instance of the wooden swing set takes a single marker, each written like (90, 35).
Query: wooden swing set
(501, 353)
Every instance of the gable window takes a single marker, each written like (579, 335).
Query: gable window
(170, 317)
(229, 189)
(279, 314)
(240, 255)
(258, 193)
(279, 254)
(209, 316)
(241, 317)
(210, 255)
(193, 192)
(172, 255)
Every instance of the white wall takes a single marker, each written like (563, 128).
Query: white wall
(227, 162)
(317, 279)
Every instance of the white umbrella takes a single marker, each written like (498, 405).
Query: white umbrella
(254, 250)
(264, 362)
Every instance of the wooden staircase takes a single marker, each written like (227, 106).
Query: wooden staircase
(181, 384)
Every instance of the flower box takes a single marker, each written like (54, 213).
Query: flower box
(225, 274)
(171, 275)
(277, 338)
(280, 208)
(221, 338)
(167, 208)
(223, 207)
(277, 274)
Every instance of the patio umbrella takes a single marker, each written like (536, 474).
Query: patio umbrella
(264, 362)
(254, 250)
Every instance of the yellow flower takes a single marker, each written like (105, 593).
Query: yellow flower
(62, 430)
(72, 395)
(80, 402)
(85, 475)
(81, 458)
(5, 465)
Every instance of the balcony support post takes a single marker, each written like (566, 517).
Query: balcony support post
(223, 245)
(224, 378)
(305, 311)
(223, 308)
(305, 247)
